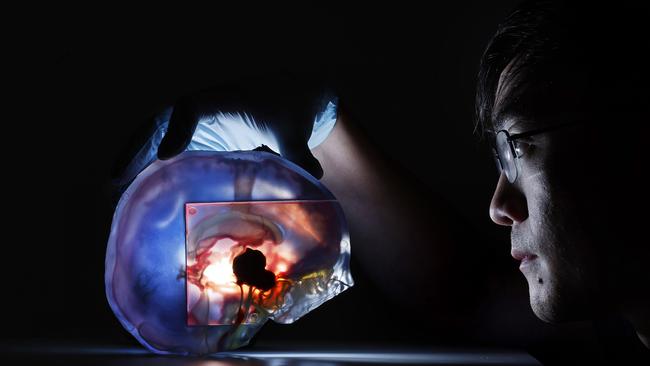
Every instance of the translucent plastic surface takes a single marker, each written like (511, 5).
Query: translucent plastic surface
(205, 247)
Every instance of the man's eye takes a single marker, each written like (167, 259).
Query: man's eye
(522, 147)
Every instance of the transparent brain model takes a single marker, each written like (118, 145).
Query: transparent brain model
(206, 247)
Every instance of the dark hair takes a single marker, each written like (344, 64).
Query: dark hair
(600, 50)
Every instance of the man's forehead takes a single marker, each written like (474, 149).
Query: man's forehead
(527, 102)
(512, 99)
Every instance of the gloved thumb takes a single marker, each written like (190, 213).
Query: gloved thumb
(300, 154)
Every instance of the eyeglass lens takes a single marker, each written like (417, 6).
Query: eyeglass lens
(506, 156)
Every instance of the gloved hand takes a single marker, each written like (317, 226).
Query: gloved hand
(288, 115)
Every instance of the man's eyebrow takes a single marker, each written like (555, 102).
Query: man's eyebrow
(506, 119)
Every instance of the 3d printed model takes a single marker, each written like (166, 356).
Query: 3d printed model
(206, 247)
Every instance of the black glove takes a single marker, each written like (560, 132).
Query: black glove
(286, 114)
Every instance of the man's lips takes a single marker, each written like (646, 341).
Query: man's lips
(522, 256)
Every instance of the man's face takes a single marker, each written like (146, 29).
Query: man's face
(553, 209)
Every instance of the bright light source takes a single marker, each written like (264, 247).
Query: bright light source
(220, 273)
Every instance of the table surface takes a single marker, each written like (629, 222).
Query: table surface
(106, 355)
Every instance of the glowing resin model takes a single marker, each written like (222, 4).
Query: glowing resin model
(207, 246)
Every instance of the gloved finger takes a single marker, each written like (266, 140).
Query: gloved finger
(182, 124)
(300, 154)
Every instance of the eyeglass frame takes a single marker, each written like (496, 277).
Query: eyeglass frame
(511, 139)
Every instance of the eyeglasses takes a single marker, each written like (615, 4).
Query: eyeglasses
(506, 149)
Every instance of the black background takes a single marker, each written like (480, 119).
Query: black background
(94, 75)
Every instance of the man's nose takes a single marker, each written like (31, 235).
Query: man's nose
(508, 204)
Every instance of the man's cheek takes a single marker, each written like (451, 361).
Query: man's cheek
(539, 209)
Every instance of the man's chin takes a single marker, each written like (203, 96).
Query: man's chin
(543, 312)
(552, 306)
(544, 298)
(542, 307)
